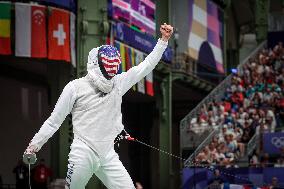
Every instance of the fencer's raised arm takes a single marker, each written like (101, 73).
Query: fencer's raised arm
(62, 108)
(136, 73)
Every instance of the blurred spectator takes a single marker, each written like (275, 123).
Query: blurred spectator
(21, 173)
(41, 173)
(217, 181)
(204, 156)
(254, 159)
(274, 183)
(265, 161)
(279, 162)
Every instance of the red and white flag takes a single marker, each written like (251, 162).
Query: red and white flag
(149, 84)
(30, 30)
(59, 35)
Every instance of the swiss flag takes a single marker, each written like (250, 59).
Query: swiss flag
(59, 35)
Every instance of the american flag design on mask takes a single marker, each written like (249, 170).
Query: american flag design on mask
(109, 57)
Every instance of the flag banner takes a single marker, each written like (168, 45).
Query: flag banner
(5, 28)
(140, 13)
(206, 33)
(59, 35)
(149, 84)
(137, 40)
(127, 57)
(273, 143)
(73, 38)
(141, 86)
(133, 64)
(139, 57)
(131, 57)
(30, 30)
(117, 45)
(123, 58)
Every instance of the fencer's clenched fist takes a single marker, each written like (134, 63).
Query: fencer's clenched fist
(30, 150)
(166, 31)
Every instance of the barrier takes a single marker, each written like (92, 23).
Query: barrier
(199, 178)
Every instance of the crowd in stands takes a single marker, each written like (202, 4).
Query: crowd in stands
(266, 160)
(253, 103)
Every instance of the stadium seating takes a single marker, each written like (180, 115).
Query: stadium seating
(252, 104)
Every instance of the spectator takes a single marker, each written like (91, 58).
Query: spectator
(41, 175)
(254, 160)
(265, 162)
(280, 162)
(21, 173)
(217, 181)
(274, 183)
(204, 157)
(220, 157)
(270, 118)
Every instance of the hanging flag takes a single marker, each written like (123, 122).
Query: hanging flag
(59, 35)
(139, 57)
(122, 55)
(138, 60)
(141, 86)
(5, 29)
(132, 57)
(128, 57)
(73, 38)
(133, 63)
(30, 30)
(117, 45)
(149, 84)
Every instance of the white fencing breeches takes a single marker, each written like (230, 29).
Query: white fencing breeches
(84, 162)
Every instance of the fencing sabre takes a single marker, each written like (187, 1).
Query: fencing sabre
(29, 159)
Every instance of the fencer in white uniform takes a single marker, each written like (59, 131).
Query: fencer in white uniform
(95, 104)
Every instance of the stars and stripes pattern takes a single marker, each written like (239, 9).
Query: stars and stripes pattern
(110, 58)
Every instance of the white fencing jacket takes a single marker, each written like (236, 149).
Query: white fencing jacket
(97, 118)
